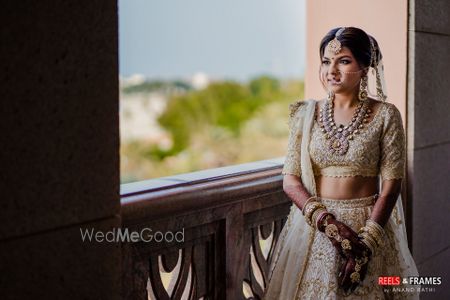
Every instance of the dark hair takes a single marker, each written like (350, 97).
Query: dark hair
(358, 41)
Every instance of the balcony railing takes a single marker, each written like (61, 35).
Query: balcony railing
(224, 224)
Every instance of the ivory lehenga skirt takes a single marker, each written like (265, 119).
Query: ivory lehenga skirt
(306, 265)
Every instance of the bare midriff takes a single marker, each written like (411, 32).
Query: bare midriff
(346, 187)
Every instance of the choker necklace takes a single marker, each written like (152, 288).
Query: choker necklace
(339, 136)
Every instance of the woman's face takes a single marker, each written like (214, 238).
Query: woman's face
(340, 72)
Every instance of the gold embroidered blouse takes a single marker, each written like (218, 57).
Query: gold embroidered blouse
(379, 148)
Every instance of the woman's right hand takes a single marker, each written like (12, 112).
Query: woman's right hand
(352, 273)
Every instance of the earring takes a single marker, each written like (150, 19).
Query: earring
(362, 95)
(380, 93)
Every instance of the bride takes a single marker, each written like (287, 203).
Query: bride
(343, 171)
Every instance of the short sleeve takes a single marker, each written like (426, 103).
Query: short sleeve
(393, 152)
(292, 159)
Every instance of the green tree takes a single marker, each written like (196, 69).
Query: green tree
(226, 104)
(266, 87)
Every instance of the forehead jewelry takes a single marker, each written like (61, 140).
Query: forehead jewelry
(334, 45)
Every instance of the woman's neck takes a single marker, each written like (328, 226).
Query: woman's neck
(346, 100)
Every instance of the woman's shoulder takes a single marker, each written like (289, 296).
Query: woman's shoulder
(297, 111)
(389, 110)
(390, 116)
(299, 107)
(295, 106)
(386, 109)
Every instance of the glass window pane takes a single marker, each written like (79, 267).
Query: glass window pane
(205, 84)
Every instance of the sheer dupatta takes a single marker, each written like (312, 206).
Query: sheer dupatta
(292, 250)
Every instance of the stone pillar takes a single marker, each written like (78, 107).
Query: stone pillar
(60, 149)
(429, 139)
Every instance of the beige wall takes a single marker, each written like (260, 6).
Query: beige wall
(385, 20)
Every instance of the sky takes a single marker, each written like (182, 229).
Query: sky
(228, 39)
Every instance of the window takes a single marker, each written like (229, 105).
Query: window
(206, 84)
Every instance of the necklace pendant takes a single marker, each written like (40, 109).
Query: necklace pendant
(336, 144)
(339, 146)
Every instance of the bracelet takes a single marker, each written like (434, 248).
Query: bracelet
(373, 232)
(316, 215)
(375, 224)
(307, 202)
(375, 227)
(368, 241)
(310, 209)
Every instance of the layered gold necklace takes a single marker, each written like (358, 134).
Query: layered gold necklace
(340, 135)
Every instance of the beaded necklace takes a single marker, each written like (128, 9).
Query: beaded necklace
(339, 136)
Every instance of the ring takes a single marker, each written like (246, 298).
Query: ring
(355, 277)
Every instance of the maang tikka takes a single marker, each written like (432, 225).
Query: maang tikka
(334, 45)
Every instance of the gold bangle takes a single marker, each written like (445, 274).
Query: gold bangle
(375, 225)
(316, 208)
(374, 232)
(369, 242)
(370, 232)
(307, 202)
(312, 207)
(308, 207)
(316, 214)
(322, 220)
